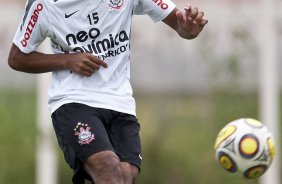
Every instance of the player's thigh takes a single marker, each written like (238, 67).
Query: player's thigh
(124, 133)
(79, 126)
(129, 169)
(103, 161)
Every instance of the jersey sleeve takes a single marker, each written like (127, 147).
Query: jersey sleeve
(33, 28)
(156, 9)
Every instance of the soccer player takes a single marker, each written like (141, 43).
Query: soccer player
(90, 96)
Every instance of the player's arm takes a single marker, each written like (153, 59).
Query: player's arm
(188, 23)
(35, 62)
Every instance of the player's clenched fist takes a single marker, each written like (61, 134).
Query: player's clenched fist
(84, 63)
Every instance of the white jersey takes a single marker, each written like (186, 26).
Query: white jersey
(100, 27)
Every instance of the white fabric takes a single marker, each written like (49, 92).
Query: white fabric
(101, 27)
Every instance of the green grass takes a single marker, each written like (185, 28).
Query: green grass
(17, 137)
(178, 134)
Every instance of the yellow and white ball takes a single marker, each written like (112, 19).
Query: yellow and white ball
(245, 146)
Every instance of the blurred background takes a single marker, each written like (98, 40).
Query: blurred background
(186, 91)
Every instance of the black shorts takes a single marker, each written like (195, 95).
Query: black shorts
(83, 131)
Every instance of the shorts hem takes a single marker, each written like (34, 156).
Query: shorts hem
(86, 156)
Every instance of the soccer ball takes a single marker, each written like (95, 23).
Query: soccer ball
(246, 147)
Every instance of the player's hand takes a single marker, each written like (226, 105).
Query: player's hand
(190, 22)
(84, 63)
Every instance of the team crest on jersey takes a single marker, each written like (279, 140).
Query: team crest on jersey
(85, 136)
(116, 4)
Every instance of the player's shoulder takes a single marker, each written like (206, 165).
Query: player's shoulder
(29, 3)
(37, 4)
(35, 8)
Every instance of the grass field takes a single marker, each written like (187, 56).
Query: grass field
(177, 132)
